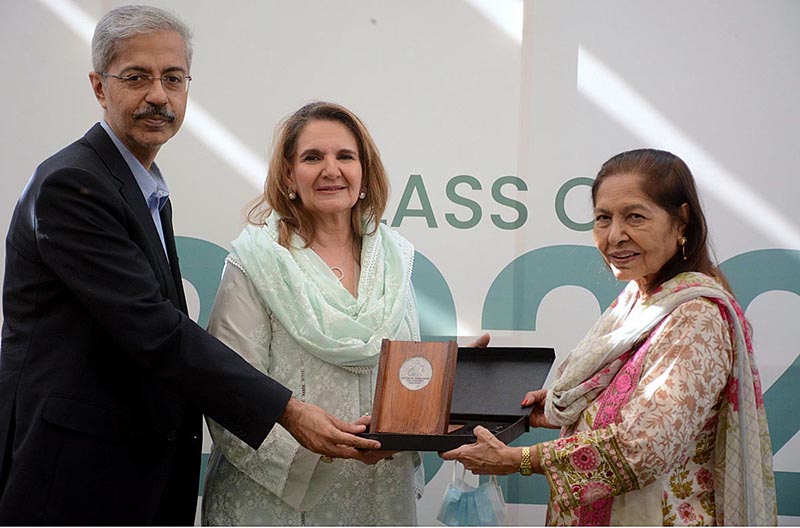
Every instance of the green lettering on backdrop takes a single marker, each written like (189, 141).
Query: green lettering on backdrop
(561, 210)
(201, 265)
(499, 197)
(515, 295)
(437, 311)
(415, 183)
(456, 198)
(513, 302)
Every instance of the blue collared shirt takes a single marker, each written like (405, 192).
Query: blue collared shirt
(153, 186)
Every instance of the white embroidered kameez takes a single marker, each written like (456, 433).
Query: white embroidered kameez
(285, 312)
(283, 483)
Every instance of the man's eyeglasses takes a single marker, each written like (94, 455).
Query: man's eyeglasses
(139, 81)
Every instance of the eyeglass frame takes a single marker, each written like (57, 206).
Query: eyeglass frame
(150, 80)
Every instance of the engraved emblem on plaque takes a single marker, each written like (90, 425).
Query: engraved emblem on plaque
(415, 373)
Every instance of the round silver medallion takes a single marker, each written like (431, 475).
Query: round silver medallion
(416, 373)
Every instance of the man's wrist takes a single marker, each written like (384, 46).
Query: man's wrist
(288, 417)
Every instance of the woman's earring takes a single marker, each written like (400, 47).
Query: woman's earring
(363, 195)
(682, 244)
(292, 195)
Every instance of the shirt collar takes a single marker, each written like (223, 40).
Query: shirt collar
(152, 183)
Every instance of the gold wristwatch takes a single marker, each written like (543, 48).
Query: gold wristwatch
(525, 467)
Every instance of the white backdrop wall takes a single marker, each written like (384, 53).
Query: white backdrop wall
(489, 139)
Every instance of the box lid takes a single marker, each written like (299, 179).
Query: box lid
(493, 381)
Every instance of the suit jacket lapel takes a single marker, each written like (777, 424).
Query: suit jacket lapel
(132, 194)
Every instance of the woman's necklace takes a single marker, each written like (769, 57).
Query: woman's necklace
(338, 271)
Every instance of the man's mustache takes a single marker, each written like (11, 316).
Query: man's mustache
(157, 111)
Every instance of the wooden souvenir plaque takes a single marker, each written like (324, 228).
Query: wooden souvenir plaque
(414, 388)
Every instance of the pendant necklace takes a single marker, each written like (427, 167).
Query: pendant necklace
(337, 271)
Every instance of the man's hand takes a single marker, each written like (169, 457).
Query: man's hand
(318, 431)
(372, 456)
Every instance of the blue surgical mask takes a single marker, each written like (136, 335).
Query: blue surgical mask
(465, 505)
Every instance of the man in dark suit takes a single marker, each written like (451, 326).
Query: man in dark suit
(103, 376)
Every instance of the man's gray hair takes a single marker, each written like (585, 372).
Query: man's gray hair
(129, 21)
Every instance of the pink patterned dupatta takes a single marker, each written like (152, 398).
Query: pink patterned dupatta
(606, 366)
(611, 401)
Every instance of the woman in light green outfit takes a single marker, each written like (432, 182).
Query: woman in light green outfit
(310, 289)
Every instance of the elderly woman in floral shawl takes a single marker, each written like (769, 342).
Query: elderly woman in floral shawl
(660, 405)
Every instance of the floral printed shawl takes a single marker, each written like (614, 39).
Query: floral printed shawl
(744, 478)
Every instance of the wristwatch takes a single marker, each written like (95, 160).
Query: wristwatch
(525, 467)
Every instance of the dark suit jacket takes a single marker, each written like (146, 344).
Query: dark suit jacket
(103, 376)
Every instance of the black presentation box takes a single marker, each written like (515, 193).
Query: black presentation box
(489, 385)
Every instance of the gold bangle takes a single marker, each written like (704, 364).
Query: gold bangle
(326, 459)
